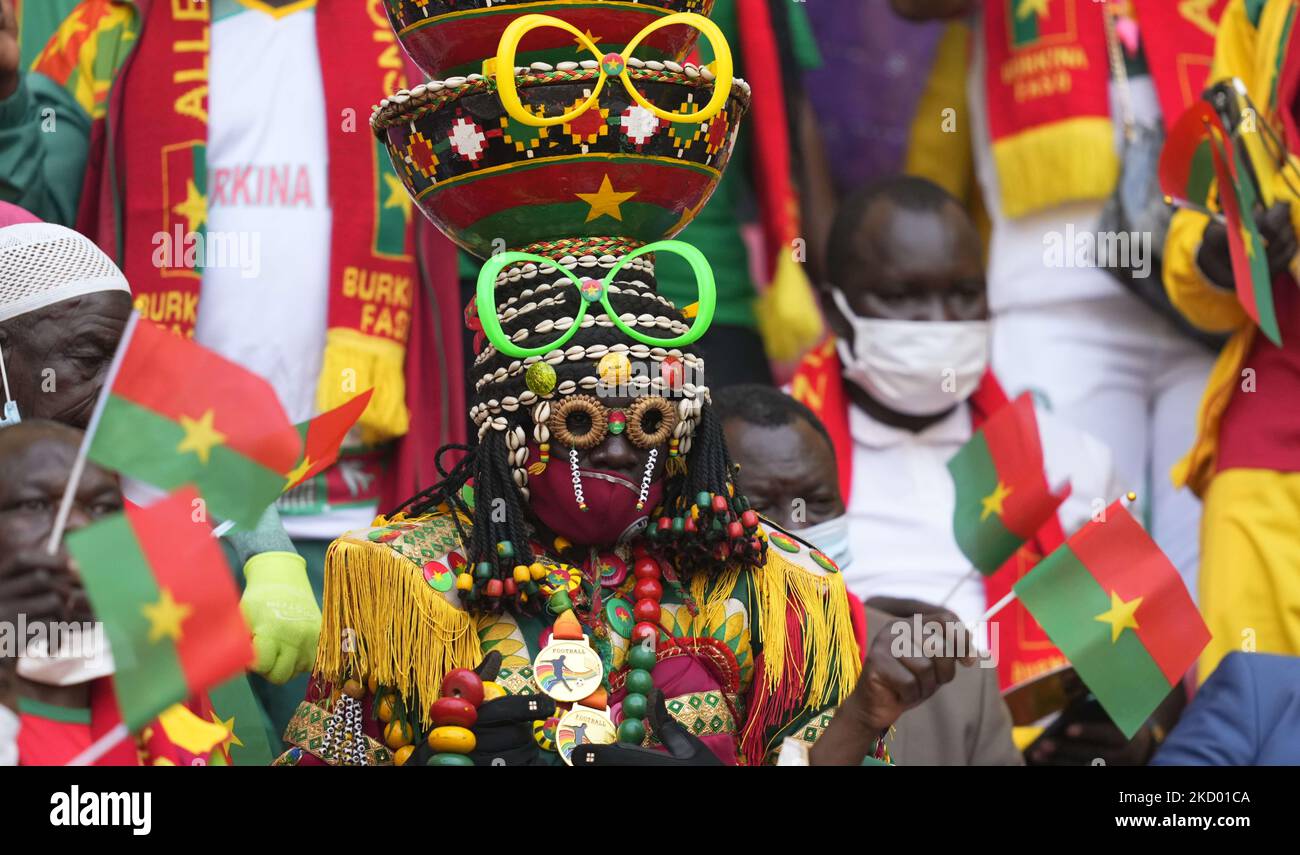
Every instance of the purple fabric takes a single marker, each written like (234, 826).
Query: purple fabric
(874, 68)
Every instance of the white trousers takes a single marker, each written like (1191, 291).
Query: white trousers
(1116, 369)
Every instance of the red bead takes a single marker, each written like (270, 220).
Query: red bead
(646, 568)
(735, 530)
(644, 630)
(453, 711)
(646, 610)
(719, 504)
(493, 588)
(648, 589)
(690, 525)
(511, 587)
(665, 523)
(464, 684)
(749, 518)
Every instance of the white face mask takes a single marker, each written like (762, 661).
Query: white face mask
(918, 368)
(40, 667)
(831, 538)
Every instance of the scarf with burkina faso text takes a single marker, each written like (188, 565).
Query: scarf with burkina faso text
(372, 269)
(1047, 77)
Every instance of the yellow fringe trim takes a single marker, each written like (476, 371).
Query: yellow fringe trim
(787, 314)
(831, 656)
(380, 618)
(354, 362)
(1066, 161)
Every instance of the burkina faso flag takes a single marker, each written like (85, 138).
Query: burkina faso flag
(176, 413)
(323, 436)
(1119, 611)
(160, 583)
(1002, 493)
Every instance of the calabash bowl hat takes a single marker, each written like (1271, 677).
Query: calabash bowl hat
(451, 37)
(585, 148)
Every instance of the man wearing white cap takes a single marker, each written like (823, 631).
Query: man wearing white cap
(63, 306)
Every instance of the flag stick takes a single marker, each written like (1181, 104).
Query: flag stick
(220, 531)
(79, 465)
(970, 574)
(999, 605)
(1175, 202)
(100, 746)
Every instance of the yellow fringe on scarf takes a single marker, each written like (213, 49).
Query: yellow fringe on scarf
(830, 650)
(380, 618)
(1064, 161)
(354, 362)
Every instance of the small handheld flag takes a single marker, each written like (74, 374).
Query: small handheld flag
(1119, 611)
(161, 585)
(323, 437)
(1002, 493)
(177, 413)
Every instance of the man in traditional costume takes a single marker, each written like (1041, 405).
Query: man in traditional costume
(604, 524)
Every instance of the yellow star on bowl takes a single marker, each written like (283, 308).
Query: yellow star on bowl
(605, 201)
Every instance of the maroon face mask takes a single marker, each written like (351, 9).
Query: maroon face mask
(611, 513)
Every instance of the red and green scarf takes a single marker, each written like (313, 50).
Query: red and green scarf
(1047, 77)
(373, 275)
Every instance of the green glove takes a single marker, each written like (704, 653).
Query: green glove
(281, 611)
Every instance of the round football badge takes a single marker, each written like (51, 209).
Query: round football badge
(568, 671)
(583, 726)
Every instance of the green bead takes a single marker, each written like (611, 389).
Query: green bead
(639, 657)
(631, 731)
(483, 570)
(506, 549)
(559, 603)
(635, 706)
(540, 378)
(446, 759)
(703, 499)
(639, 681)
(679, 525)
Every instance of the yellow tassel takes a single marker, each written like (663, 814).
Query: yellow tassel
(830, 650)
(675, 466)
(1061, 162)
(788, 317)
(354, 362)
(380, 618)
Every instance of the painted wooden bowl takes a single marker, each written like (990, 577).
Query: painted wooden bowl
(453, 37)
(491, 183)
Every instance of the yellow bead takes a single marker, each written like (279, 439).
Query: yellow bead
(354, 689)
(492, 691)
(561, 544)
(464, 582)
(397, 734)
(456, 740)
(522, 574)
(538, 571)
(401, 755)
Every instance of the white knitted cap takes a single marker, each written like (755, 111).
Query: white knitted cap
(43, 263)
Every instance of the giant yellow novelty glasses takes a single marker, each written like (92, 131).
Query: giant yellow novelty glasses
(503, 65)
